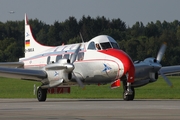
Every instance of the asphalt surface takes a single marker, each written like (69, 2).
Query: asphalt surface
(89, 109)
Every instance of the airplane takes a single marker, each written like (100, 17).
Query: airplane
(83, 64)
(11, 12)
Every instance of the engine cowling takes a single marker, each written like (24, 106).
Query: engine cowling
(150, 60)
(60, 70)
(153, 76)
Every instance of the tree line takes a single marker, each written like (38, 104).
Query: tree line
(139, 41)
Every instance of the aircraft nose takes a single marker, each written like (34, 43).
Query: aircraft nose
(128, 65)
(129, 69)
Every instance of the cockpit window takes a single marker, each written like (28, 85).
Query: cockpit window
(105, 45)
(91, 46)
(115, 45)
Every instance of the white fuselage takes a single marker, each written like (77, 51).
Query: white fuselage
(90, 66)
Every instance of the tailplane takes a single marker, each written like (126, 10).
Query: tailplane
(32, 47)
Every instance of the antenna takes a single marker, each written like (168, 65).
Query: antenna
(81, 37)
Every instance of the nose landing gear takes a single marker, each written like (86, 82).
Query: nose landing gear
(128, 90)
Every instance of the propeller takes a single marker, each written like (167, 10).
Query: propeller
(166, 79)
(159, 58)
(161, 52)
(74, 56)
(72, 60)
(78, 81)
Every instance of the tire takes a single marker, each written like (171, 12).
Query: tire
(41, 94)
(129, 97)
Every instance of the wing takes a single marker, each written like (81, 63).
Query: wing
(169, 70)
(12, 64)
(24, 74)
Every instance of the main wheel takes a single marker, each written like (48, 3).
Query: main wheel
(41, 94)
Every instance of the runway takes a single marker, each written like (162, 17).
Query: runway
(89, 109)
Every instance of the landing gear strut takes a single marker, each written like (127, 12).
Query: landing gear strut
(41, 94)
(128, 91)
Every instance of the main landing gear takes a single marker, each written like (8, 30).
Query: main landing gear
(128, 91)
(41, 94)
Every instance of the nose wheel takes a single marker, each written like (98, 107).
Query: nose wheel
(128, 91)
(128, 97)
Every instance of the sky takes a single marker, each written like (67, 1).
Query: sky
(129, 11)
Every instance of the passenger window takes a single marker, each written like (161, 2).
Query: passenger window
(66, 56)
(71, 55)
(48, 59)
(80, 56)
(91, 46)
(58, 57)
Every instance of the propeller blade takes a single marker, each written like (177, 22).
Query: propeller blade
(73, 57)
(78, 81)
(161, 52)
(166, 79)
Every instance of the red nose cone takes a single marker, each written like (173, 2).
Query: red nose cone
(129, 69)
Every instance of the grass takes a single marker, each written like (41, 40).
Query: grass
(14, 88)
(160, 90)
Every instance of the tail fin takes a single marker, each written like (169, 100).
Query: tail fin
(32, 47)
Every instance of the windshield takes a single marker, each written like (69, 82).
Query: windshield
(105, 45)
(115, 45)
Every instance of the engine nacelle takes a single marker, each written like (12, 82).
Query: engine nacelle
(60, 70)
(62, 61)
(150, 60)
(153, 77)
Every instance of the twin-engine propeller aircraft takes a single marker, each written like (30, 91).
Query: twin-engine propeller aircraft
(99, 61)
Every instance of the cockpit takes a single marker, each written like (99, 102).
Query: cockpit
(107, 45)
(102, 42)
